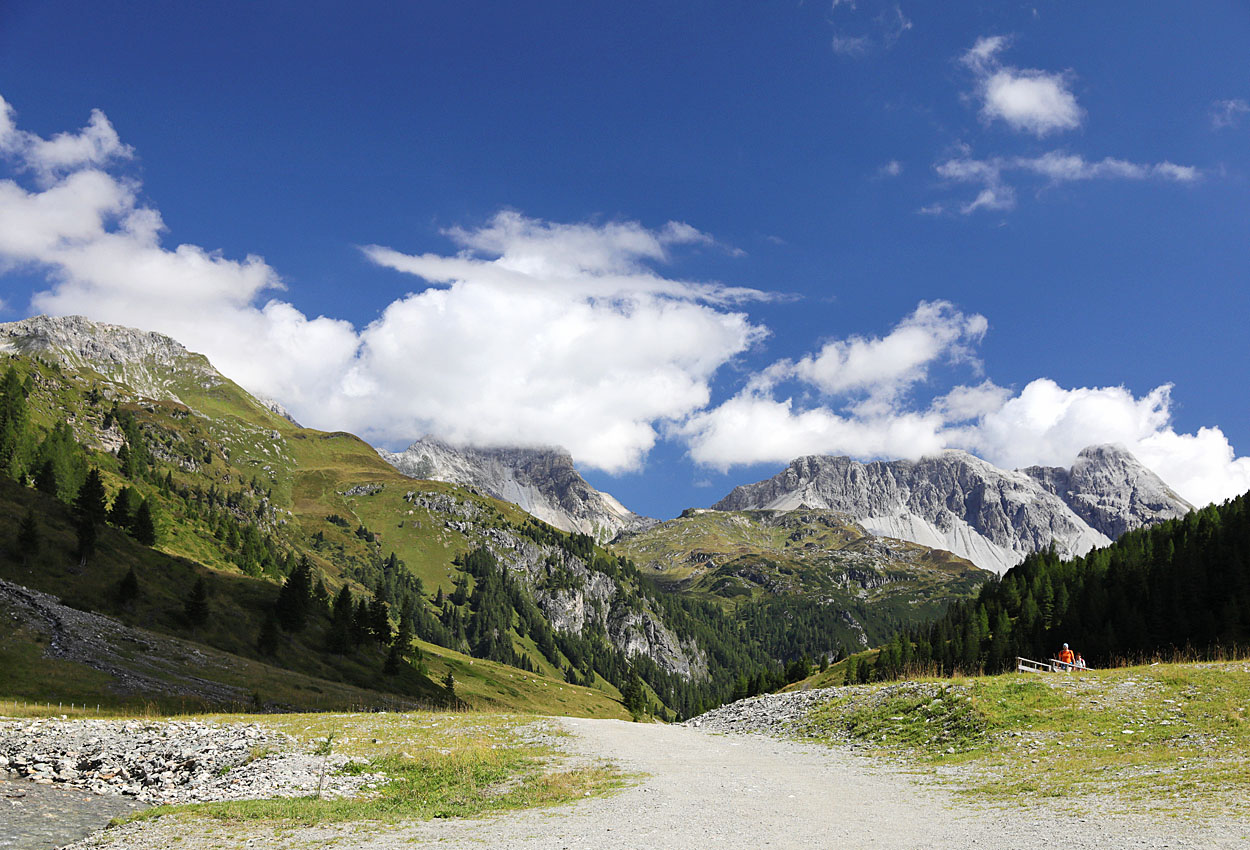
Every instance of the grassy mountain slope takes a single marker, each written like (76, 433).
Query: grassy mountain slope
(240, 495)
(801, 561)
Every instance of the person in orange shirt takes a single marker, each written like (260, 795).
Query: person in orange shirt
(1066, 658)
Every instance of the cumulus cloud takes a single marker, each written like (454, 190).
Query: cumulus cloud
(1043, 423)
(1028, 100)
(551, 334)
(1226, 113)
(96, 144)
(881, 368)
(531, 333)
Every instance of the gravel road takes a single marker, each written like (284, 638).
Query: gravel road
(733, 790)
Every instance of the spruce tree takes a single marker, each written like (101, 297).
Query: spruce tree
(144, 528)
(28, 537)
(295, 598)
(86, 540)
(128, 588)
(267, 641)
(339, 637)
(449, 682)
(196, 604)
(46, 479)
(394, 661)
(92, 500)
(121, 514)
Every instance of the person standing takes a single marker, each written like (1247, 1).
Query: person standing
(1066, 658)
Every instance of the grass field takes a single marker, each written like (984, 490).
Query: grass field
(439, 764)
(1171, 738)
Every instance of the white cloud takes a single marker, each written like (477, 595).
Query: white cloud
(1041, 424)
(893, 168)
(533, 333)
(1047, 424)
(1055, 166)
(1028, 100)
(984, 53)
(882, 367)
(95, 145)
(1226, 113)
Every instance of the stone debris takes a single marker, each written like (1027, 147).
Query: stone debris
(173, 761)
(769, 714)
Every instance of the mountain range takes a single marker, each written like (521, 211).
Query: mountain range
(958, 502)
(827, 555)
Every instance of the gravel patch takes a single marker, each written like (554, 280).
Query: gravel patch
(173, 761)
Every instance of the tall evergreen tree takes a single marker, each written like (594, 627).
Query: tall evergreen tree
(339, 638)
(196, 604)
(28, 537)
(86, 532)
(122, 513)
(92, 499)
(295, 598)
(128, 588)
(144, 526)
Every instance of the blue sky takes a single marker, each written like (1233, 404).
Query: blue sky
(687, 241)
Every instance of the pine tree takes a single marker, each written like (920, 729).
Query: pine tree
(28, 537)
(295, 598)
(144, 528)
(128, 588)
(394, 661)
(121, 514)
(86, 540)
(339, 637)
(45, 479)
(92, 500)
(196, 604)
(449, 683)
(267, 641)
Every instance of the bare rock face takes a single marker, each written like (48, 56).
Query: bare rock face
(541, 481)
(1112, 491)
(143, 360)
(955, 501)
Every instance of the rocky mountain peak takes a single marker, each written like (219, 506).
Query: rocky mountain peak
(540, 480)
(142, 359)
(961, 503)
(1111, 490)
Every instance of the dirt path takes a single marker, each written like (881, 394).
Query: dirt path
(706, 790)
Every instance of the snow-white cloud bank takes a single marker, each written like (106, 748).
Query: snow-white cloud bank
(534, 332)
(874, 413)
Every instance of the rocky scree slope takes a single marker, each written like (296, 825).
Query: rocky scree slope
(572, 595)
(541, 481)
(958, 502)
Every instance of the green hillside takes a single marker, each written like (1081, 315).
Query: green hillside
(213, 485)
(806, 582)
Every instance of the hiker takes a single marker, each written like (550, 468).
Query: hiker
(1066, 658)
(1080, 661)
